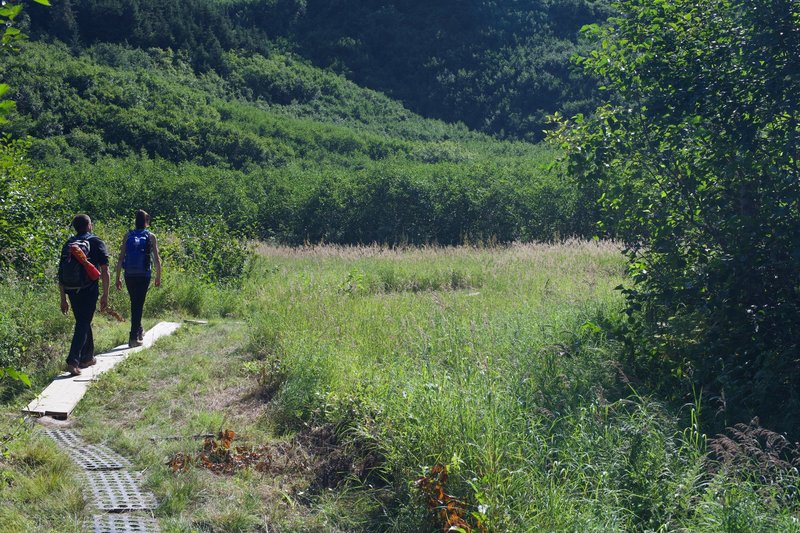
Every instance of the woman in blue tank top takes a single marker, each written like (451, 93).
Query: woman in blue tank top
(139, 249)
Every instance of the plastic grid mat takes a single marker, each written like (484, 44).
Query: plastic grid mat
(65, 438)
(87, 456)
(122, 523)
(116, 491)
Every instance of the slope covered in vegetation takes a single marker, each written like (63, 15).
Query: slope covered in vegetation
(277, 148)
(499, 67)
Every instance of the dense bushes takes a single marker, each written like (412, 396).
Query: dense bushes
(498, 67)
(393, 201)
(116, 127)
(697, 167)
(444, 203)
(26, 214)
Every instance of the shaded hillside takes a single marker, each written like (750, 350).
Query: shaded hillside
(277, 148)
(499, 67)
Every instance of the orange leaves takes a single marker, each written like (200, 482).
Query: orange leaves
(221, 457)
(180, 461)
(451, 511)
(225, 440)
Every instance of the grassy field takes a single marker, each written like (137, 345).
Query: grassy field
(360, 374)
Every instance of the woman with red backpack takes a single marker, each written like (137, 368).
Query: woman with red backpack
(139, 248)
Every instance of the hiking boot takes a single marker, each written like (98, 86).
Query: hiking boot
(87, 364)
(140, 335)
(73, 370)
(133, 341)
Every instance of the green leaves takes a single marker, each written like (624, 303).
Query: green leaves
(692, 162)
(10, 11)
(14, 374)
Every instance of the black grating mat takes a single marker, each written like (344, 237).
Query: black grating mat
(87, 456)
(116, 491)
(65, 438)
(122, 523)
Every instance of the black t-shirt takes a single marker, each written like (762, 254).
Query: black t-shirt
(98, 252)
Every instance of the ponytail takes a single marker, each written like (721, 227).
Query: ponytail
(142, 219)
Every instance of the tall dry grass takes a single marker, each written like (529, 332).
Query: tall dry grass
(494, 362)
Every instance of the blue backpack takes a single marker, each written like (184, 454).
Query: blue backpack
(137, 253)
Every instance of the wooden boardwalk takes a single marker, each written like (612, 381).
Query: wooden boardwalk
(61, 397)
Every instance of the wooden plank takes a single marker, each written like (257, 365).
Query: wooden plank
(63, 394)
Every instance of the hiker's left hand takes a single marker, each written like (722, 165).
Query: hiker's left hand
(64, 306)
(157, 282)
(103, 303)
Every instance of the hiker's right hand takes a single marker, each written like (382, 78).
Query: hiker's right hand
(119, 284)
(64, 307)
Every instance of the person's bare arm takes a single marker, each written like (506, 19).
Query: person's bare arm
(104, 273)
(156, 261)
(120, 260)
(64, 302)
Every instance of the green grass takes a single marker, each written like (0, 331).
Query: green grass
(361, 368)
(39, 487)
(452, 356)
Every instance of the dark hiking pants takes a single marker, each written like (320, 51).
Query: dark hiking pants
(137, 289)
(84, 303)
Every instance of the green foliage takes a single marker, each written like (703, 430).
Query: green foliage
(27, 241)
(15, 374)
(277, 150)
(194, 26)
(508, 384)
(210, 251)
(695, 162)
(30, 321)
(22, 243)
(499, 67)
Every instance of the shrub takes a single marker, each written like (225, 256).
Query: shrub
(26, 212)
(695, 162)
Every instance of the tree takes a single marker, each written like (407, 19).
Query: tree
(64, 22)
(14, 172)
(695, 162)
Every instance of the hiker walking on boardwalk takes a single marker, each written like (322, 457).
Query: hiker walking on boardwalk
(84, 259)
(139, 248)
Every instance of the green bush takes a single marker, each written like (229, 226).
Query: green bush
(695, 163)
(26, 213)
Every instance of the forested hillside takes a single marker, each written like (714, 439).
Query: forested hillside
(499, 67)
(276, 148)
(261, 113)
